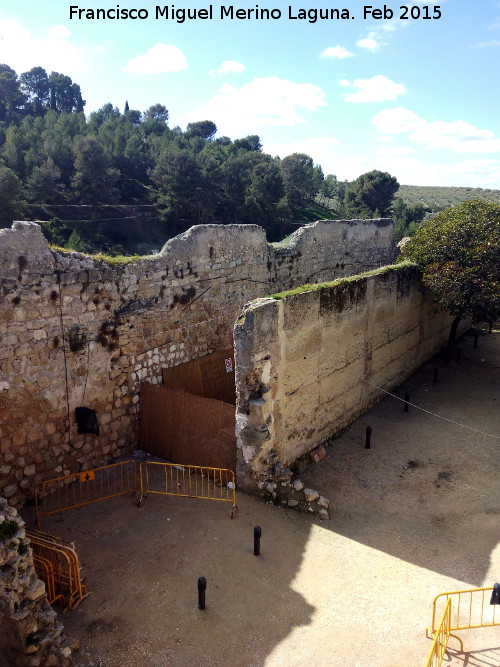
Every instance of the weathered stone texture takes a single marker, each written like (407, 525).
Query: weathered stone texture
(76, 331)
(30, 634)
(301, 362)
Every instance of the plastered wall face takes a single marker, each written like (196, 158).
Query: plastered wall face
(75, 331)
(301, 361)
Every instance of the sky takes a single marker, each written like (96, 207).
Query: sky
(418, 97)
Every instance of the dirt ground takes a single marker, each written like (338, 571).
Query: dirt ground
(415, 515)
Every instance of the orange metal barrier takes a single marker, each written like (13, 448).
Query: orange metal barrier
(63, 493)
(58, 562)
(440, 638)
(189, 481)
(45, 572)
(469, 609)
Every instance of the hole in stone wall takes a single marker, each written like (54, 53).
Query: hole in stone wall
(86, 419)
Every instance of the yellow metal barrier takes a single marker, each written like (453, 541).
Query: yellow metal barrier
(440, 638)
(63, 493)
(469, 609)
(58, 561)
(189, 481)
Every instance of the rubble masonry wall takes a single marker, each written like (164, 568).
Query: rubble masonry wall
(30, 634)
(77, 331)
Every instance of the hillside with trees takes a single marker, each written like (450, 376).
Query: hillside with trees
(125, 181)
(436, 198)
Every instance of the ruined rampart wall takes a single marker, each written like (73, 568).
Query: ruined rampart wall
(309, 363)
(77, 332)
(30, 634)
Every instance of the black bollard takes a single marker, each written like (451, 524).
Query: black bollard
(459, 354)
(436, 372)
(407, 400)
(476, 336)
(491, 326)
(368, 437)
(202, 587)
(257, 532)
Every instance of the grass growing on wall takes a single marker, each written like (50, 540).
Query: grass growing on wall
(112, 260)
(342, 281)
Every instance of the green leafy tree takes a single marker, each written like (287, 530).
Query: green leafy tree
(94, 180)
(205, 129)
(155, 120)
(459, 253)
(299, 181)
(75, 242)
(13, 151)
(249, 143)
(371, 194)
(65, 96)
(11, 96)
(406, 217)
(177, 177)
(105, 114)
(44, 184)
(262, 196)
(11, 204)
(35, 85)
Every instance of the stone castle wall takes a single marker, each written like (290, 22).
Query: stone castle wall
(78, 332)
(309, 363)
(30, 634)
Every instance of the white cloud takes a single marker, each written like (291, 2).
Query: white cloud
(58, 32)
(160, 58)
(228, 67)
(321, 149)
(457, 136)
(483, 45)
(21, 50)
(376, 89)
(325, 151)
(395, 150)
(481, 173)
(397, 120)
(268, 101)
(338, 52)
(369, 44)
(379, 35)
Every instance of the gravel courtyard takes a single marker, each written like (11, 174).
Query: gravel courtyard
(415, 515)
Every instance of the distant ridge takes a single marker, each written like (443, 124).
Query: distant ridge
(435, 198)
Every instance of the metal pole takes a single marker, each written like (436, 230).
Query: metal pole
(202, 587)
(257, 532)
(368, 437)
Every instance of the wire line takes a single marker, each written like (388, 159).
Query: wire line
(491, 435)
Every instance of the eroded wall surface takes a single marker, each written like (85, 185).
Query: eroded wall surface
(30, 634)
(309, 363)
(77, 332)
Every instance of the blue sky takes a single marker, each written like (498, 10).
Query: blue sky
(419, 98)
